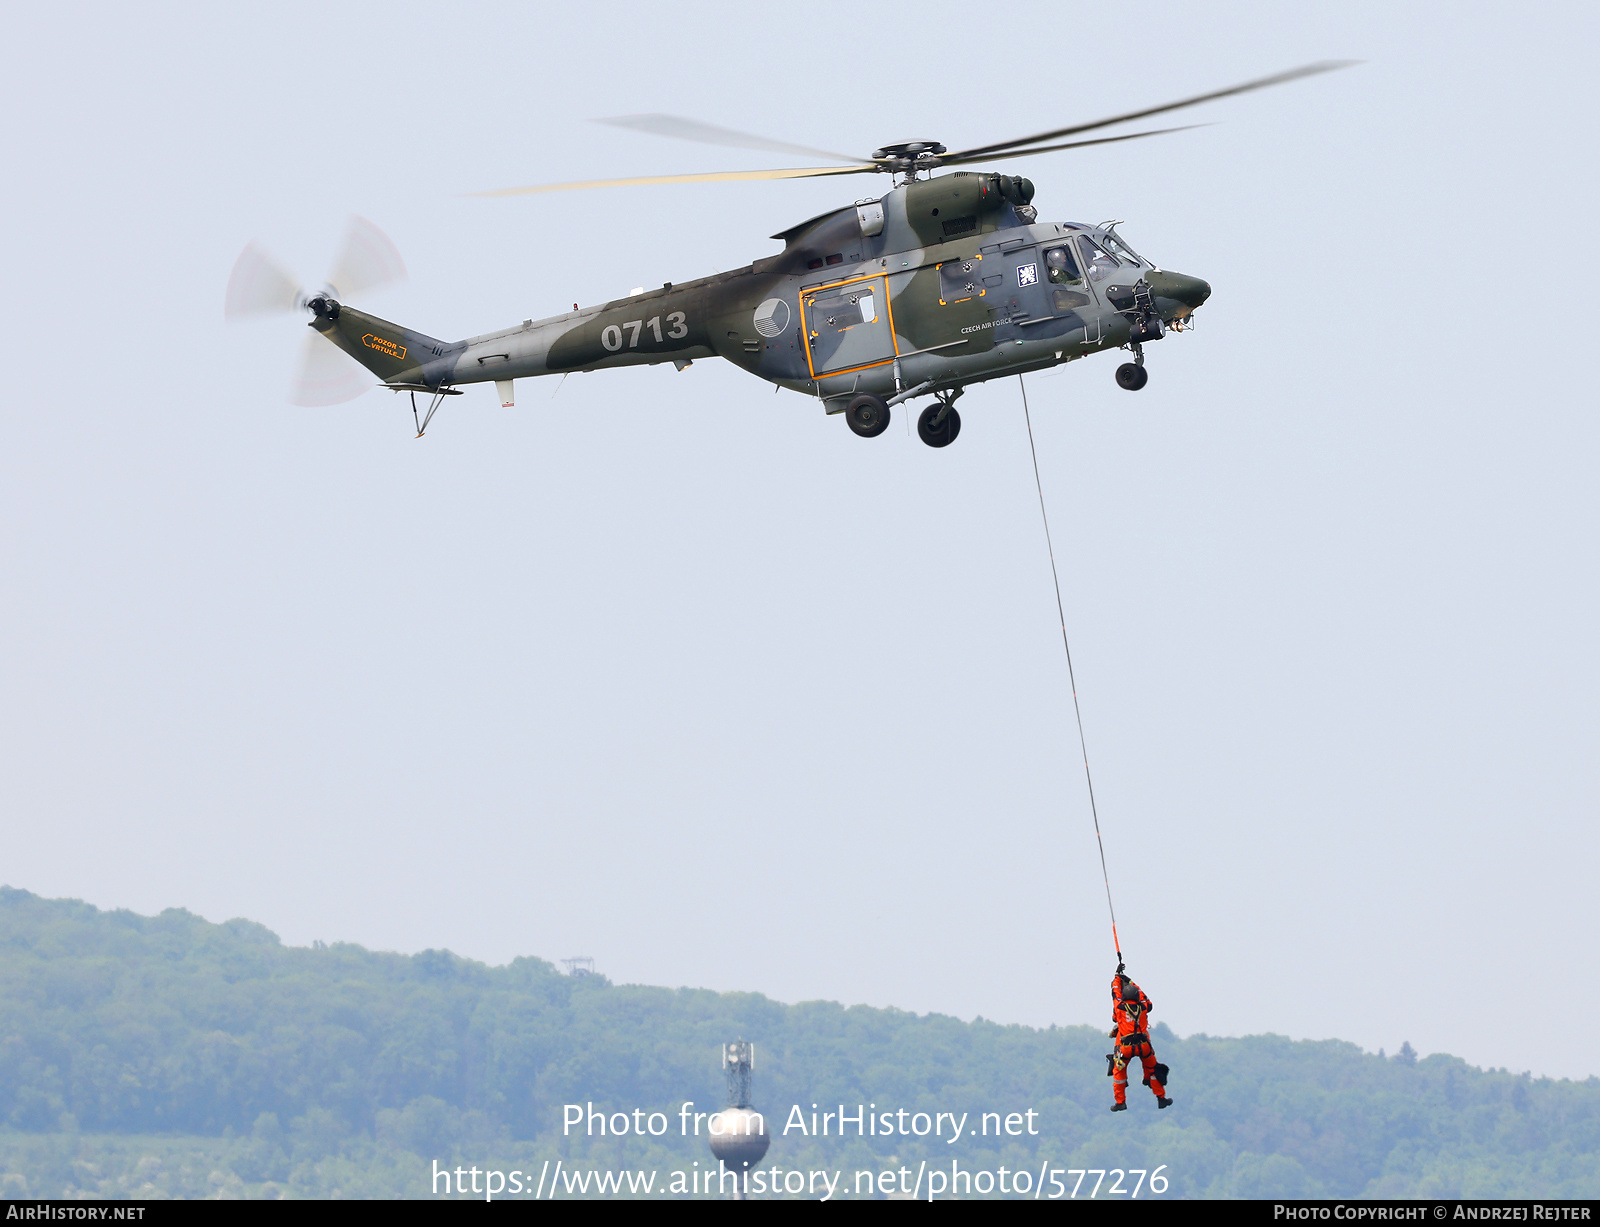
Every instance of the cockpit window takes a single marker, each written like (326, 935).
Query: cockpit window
(1096, 258)
(1121, 250)
(1063, 269)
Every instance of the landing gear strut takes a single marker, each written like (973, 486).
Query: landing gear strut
(867, 415)
(1132, 375)
(433, 408)
(436, 396)
(939, 424)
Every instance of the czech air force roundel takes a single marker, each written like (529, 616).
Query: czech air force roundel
(772, 317)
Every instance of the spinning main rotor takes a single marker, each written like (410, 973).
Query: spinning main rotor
(907, 160)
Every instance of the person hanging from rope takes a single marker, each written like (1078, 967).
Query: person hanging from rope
(1130, 1009)
(1129, 1005)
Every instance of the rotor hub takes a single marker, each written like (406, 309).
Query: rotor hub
(909, 157)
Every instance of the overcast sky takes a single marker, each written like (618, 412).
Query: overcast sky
(678, 673)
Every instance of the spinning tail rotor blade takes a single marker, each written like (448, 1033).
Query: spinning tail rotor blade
(259, 285)
(366, 261)
(711, 134)
(327, 375)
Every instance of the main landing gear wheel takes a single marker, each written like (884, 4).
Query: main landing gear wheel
(937, 433)
(868, 416)
(1132, 377)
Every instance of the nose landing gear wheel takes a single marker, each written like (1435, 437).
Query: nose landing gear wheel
(940, 434)
(867, 415)
(1132, 377)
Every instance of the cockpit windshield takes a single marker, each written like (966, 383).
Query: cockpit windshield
(1121, 250)
(1095, 258)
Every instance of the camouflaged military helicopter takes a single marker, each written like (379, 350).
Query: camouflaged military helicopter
(942, 282)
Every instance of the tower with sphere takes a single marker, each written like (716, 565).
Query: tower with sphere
(738, 1132)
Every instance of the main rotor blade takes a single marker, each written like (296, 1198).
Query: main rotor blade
(326, 375)
(722, 176)
(1098, 140)
(259, 285)
(366, 261)
(1294, 74)
(711, 134)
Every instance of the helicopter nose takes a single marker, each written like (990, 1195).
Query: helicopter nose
(1190, 291)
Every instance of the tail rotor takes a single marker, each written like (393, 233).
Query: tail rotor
(259, 285)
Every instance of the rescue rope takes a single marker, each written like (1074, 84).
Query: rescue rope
(1077, 711)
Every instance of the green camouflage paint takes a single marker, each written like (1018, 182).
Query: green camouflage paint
(954, 262)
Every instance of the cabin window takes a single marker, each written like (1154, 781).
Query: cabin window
(836, 258)
(840, 311)
(817, 263)
(1063, 269)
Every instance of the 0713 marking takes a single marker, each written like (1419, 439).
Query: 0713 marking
(677, 329)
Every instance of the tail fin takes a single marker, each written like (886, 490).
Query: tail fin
(393, 353)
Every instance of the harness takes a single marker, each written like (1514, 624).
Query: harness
(1134, 1040)
(1132, 1010)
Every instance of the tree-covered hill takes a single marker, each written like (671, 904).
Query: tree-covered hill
(151, 1055)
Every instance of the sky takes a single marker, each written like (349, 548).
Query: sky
(672, 671)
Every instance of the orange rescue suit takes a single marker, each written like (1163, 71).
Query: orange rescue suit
(1130, 1023)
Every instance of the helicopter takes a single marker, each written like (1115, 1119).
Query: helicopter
(942, 282)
